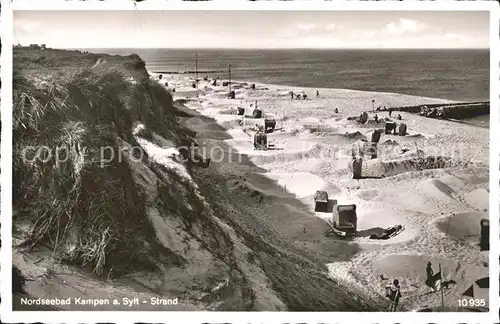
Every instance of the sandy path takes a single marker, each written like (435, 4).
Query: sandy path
(315, 146)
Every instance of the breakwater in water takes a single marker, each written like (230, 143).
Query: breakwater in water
(461, 110)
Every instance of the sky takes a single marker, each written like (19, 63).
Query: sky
(253, 29)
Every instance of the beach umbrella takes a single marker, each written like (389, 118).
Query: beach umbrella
(483, 282)
(478, 288)
(469, 292)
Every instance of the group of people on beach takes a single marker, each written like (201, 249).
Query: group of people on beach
(393, 291)
(302, 95)
(298, 95)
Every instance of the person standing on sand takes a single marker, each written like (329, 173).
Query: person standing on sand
(291, 93)
(317, 93)
(430, 281)
(429, 270)
(393, 292)
(390, 112)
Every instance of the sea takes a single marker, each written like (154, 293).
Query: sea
(454, 74)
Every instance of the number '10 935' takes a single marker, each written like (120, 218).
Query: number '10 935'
(471, 302)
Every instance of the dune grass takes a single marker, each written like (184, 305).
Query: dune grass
(91, 213)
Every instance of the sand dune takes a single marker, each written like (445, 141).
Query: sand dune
(437, 189)
(462, 226)
(478, 198)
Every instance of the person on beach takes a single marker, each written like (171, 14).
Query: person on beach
(390, 112)
(336, 110)
(317, 93)
(399, 117)
(429, 270)
(393, 292)
(433, 280)
(291, 93)
(376, 118)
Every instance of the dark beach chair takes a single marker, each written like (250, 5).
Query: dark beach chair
(402, 130)
(257, 113)
(269, 125)
(321, 201)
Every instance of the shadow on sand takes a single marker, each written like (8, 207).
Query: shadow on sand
(370, 231)
(329, 207)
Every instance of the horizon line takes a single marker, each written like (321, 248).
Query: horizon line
(287, 48)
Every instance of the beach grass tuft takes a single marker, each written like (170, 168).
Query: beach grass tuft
(91, 214)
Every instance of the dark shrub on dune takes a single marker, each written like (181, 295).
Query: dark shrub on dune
(93, 213)
(135, 62)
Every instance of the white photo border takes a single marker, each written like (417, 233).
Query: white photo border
(7, 315)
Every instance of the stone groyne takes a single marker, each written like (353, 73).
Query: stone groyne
(460, 110)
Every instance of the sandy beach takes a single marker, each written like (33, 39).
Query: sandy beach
(439, 208)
